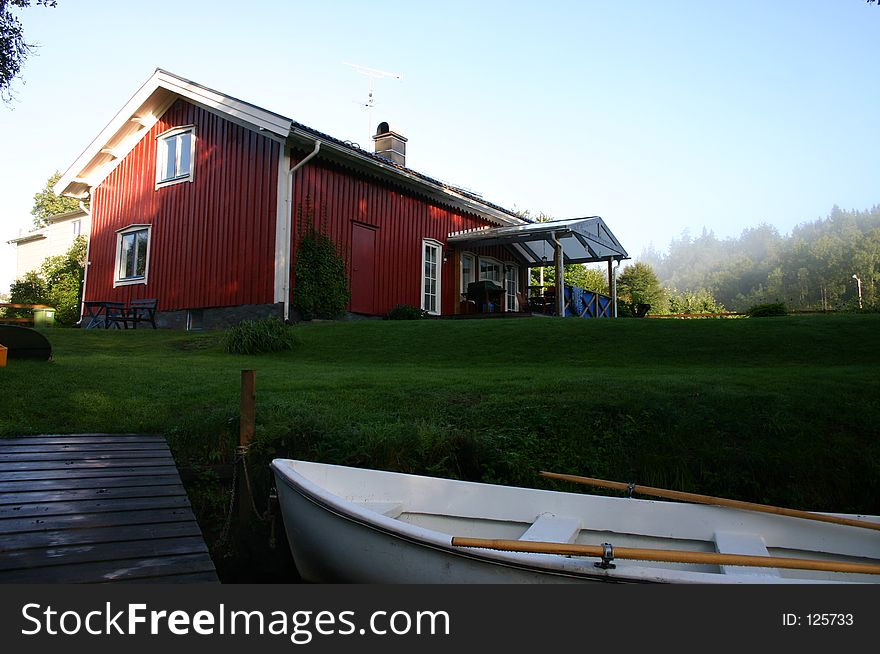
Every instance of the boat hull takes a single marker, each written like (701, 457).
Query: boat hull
(328, 547)
(362, 526)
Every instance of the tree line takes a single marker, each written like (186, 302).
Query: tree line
(823, 264)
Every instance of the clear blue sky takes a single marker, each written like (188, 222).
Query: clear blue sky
(659, 116)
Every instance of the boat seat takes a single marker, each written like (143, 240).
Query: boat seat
(550, 528)
(728, 542)
(389, 509)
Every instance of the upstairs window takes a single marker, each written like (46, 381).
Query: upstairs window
(174, 156)
(132, 255)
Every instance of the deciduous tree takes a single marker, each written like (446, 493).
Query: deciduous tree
(14, 50)
(638, 284)
(48, 204)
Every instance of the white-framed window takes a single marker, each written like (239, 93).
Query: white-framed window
(511, 286)
(432, 256)
(175, 154)
(77, 227)
(490, 269)
(468, 270)
(132, 255)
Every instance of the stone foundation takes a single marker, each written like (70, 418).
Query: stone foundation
(211, 318)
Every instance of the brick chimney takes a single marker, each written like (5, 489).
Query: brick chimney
(390, 145)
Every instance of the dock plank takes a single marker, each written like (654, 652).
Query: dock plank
(96, 508)
(63, 483)
(87, 520)
(101, 535)
(95, 552)
(66, 507)
(87, 473)
(42, 456)
(138, 568)
(72, 463)
(76, 439)
(41, 496)
(85, 447)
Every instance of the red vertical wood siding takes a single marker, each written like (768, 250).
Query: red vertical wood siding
(333, 198)
(213, 239)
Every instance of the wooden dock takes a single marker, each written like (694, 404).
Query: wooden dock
(95, 508)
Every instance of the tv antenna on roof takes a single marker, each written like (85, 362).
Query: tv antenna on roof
(373, 74)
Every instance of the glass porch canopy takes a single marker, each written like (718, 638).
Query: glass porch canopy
(583, 240)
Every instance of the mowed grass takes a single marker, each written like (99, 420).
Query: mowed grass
(776, 410)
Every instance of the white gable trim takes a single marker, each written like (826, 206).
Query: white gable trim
(141, 113)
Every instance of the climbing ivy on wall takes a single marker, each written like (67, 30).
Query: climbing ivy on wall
(320, 280)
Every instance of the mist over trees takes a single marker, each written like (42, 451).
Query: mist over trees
(811, 268)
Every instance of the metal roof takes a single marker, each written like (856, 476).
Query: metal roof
(584, 240)
(356, 150)
(158, 93)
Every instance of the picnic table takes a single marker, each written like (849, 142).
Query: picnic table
(102, 313)
(106, 314)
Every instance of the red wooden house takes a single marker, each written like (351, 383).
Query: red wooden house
(195, 198)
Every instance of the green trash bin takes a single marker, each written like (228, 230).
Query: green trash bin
(44, 318)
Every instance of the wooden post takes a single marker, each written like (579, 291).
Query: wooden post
(248, 407)
(246, 421)
(560, 278)
(610, 277)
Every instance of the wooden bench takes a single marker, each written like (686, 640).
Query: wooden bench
(549, 528)
(27, 321)
(134, 312)
(141, 311)
(727, 542)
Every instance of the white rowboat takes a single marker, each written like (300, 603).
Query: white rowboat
(366, 526)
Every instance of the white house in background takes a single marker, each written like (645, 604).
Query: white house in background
(49, 241)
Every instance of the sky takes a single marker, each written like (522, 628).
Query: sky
(664, 117)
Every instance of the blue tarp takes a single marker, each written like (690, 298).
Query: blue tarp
(582, 303)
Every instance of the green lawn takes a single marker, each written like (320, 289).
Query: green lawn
(778, 410)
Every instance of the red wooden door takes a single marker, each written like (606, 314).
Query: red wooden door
(363, 269)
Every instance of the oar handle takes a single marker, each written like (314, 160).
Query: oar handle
(667, 556)
(714, 501)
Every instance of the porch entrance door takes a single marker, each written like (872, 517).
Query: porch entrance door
(363, 269)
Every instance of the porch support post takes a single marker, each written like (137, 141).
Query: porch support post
(560, 277)
(610, 277)
(614, 286)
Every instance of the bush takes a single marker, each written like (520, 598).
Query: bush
(58, 284)
(30, 289)
(406, 312)
(698, 301)
(766, 310)
(637, 285)
(259, 336)
(64, 276)
(321, 283)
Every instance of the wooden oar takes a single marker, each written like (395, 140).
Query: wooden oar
(669, 556)
(715, 501)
